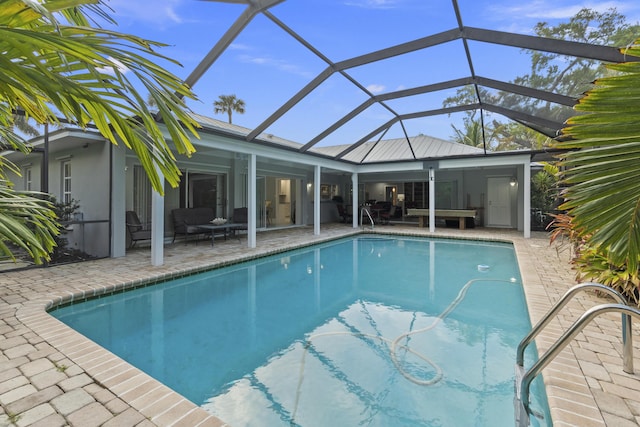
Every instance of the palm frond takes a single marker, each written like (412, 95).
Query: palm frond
(603, 178)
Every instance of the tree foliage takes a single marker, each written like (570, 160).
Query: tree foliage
(551, 72)
(567, 75)
(57, 63)
(544, 192)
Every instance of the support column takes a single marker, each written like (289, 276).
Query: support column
(118, 203)
(316, 200)
(251, 201)
(354, 197)
(432, 200)
(157, 225)
(526, 188)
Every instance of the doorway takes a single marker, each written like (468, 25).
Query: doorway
(391, 194)
(499, 202)
(277, 198)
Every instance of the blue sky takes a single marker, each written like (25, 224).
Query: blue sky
(264, 66)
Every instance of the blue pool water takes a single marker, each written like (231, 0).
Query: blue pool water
(375, 331)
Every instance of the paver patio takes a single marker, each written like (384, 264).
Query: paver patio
(52, 376)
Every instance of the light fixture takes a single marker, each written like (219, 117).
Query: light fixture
(513, 182)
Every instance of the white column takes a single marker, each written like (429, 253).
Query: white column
(157, 225)
(251, 202)
(527, 199)
(118, 202)
(355, 203)
(316, 200)
(432, 200)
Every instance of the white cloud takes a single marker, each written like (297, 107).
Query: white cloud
(372, 4)
(239, 46)
(116, 65)
(546, 9)
(172, 15)
(279, 64)
(160, 12)
(375, 88)
(516, 18)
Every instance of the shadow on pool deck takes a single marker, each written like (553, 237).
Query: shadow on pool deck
(52, 376)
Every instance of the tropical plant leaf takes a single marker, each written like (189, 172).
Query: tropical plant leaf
(26, 221)
(89, 75)
(58, 64)
(602, 177)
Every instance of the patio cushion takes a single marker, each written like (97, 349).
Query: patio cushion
(186, 220)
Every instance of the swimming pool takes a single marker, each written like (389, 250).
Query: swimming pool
(315, 337)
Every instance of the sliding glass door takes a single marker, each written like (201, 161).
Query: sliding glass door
(208, 190)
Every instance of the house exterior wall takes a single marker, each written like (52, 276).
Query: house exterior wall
(90, 188)
(93, 172)
(475, 189)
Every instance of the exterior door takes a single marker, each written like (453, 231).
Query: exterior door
(499, 202)
(208, 191)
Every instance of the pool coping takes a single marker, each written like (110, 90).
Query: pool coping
(569, 394)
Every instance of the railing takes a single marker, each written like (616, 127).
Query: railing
(362, 212)
(524, 379)
(626, 321)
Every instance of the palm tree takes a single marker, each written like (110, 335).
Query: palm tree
(470, 135)
(602, 174)
(474, 135)
(228, 104)
(57, 67)
(22, 124)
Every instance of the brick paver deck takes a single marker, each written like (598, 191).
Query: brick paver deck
(52, 376)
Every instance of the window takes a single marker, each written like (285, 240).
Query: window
(27, 179)
(141, 194)
(66, 182)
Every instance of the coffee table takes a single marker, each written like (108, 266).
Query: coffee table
(226, 228)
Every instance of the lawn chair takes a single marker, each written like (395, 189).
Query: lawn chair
(344, 213)
(385, 216)
(135, 228)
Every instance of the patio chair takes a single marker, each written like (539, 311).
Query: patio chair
(343, 213)
(241, 216)
(385, 216)
(135, 228)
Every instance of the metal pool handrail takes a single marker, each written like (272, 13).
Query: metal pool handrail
(626, 322)
(561, 343)
(362, 212)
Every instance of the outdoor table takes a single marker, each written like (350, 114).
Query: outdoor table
(226, 228)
